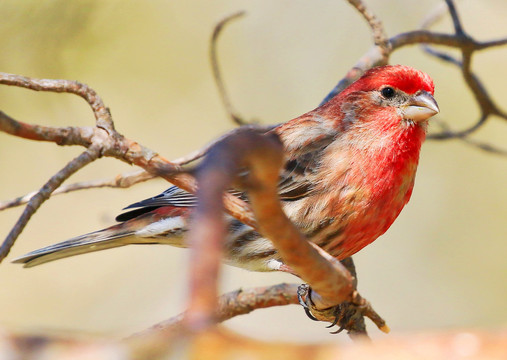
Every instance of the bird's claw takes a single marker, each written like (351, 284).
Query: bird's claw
(304, 291)
(347, 316)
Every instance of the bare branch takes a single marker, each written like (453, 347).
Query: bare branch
(102, 115)
(114, 144)
(493, 43)
(348, 315)
(460, 40)
(331, 282)
(216, 68)
(484, 146)
(43, 194)
(378, 55)
(234, 303)
(379, 34)
(447, 133)
(458, 28)
(441, 55)
(120, 181)
(484, 100)
(59, 135)
(220, 344)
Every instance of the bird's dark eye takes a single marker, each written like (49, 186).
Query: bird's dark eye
(388, 92)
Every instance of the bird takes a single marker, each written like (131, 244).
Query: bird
(350, 166)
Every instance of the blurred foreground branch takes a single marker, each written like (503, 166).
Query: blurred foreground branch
(219, 344)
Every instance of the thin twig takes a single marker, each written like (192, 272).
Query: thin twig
(234, 303)
(483, 99)
(216, 68)
(43, 194)
(383, 48)
(102, 114)
(379, 33)
(447, 133)
(458, 27)
(120, 181)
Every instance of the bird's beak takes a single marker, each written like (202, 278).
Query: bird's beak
(420, 106)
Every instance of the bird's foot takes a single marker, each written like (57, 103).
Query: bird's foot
(347, 316)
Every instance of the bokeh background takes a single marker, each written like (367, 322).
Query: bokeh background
(441, 265)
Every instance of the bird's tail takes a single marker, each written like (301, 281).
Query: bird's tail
(99, 240)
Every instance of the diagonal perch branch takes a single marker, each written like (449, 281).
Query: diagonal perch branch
(262, 156)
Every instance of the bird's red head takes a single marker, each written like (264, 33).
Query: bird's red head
(386, 97)
(404, 78)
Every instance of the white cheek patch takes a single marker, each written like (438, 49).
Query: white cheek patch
(165, 226)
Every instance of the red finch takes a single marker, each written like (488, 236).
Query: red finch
(350, 169)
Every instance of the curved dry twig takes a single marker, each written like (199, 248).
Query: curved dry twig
(458, 27)
(101, 112)
(233, 114)
(207, 232)
(448, 133)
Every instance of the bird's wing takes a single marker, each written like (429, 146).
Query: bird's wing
(297, 180)
(174, 196)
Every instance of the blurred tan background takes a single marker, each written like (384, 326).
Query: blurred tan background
(441, 265)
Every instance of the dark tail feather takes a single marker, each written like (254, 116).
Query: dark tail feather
(95, 241)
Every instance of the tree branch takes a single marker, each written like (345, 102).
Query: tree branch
(232, 304)
(102, 115)
(487, 107)
(377, 28)
(123, 181)
(110, 144)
